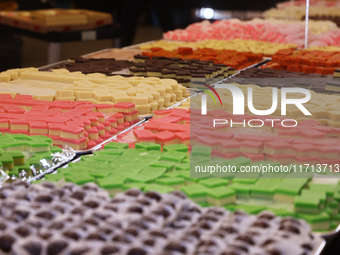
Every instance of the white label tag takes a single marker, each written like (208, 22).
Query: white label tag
(88, 35)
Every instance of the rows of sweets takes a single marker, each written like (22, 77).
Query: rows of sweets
(84, 219)
(22, 155)
(268, 77)
(321, 33)
(79, 124)
(239, 45)
(117, 168)
(183, 71)
(307, 61)
(148, 94)
(315, 145)
(234, 59)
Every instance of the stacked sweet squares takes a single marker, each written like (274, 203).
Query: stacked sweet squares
(79, 124)
(148, 94)
(24, 156)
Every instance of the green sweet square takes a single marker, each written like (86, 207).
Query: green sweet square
(173, 156)
(220, 192)
(164, 164)
(79, 179)
(204, 151)
(134, 185)
(100, 173)
(114, 145)
(241, 189)
(33, 161)
(170, 181)
(26, 167)
(184, 166)
(251, 209)
(111, 182)
(148, 146)
(175, 147)
(307, 202)
(55, 149)
(214, 182)
(18, 156)
(194, 191)
(116, 152)
(54, 177)
(7, 162)
(157, 171)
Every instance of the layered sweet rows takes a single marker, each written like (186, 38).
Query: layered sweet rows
(148, 94)
(310, 61)
(239, 45)
(78, 124)
(259, 30)
(117, 168)
(76, 219)
(275, 143)
(234, 59)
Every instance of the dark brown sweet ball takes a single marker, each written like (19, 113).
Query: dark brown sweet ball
(137, 251)
(135, 209)
(179, 194)
(231, 253)
(29, 246)
(290, 228)
(122, 238)
(109, 250)
(96, 237)
(176, 247)
(6, 242)
(266, 216)
(57, 246)
(246, 238)
(133, 192)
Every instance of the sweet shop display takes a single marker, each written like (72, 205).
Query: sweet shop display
(143, 151)
(148, 94)
(258, 30)
(239, 45)
(84, 219)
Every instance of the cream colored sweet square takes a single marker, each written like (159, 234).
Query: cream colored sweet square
(65, 98)
(61, 71)
(160, 102)
(154, 106)
(44, 97)
(102, 95)
(13, 74)
(140, 100)
(85, 83)
(64, 93)
(120, 97)
(5, 78)
(83, 95)
(96, 75)
(179, 94)
(143, 109)
(122, 86)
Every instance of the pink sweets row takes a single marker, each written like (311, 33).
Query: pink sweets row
(274, 32)
(80, 124)
(307, 143)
